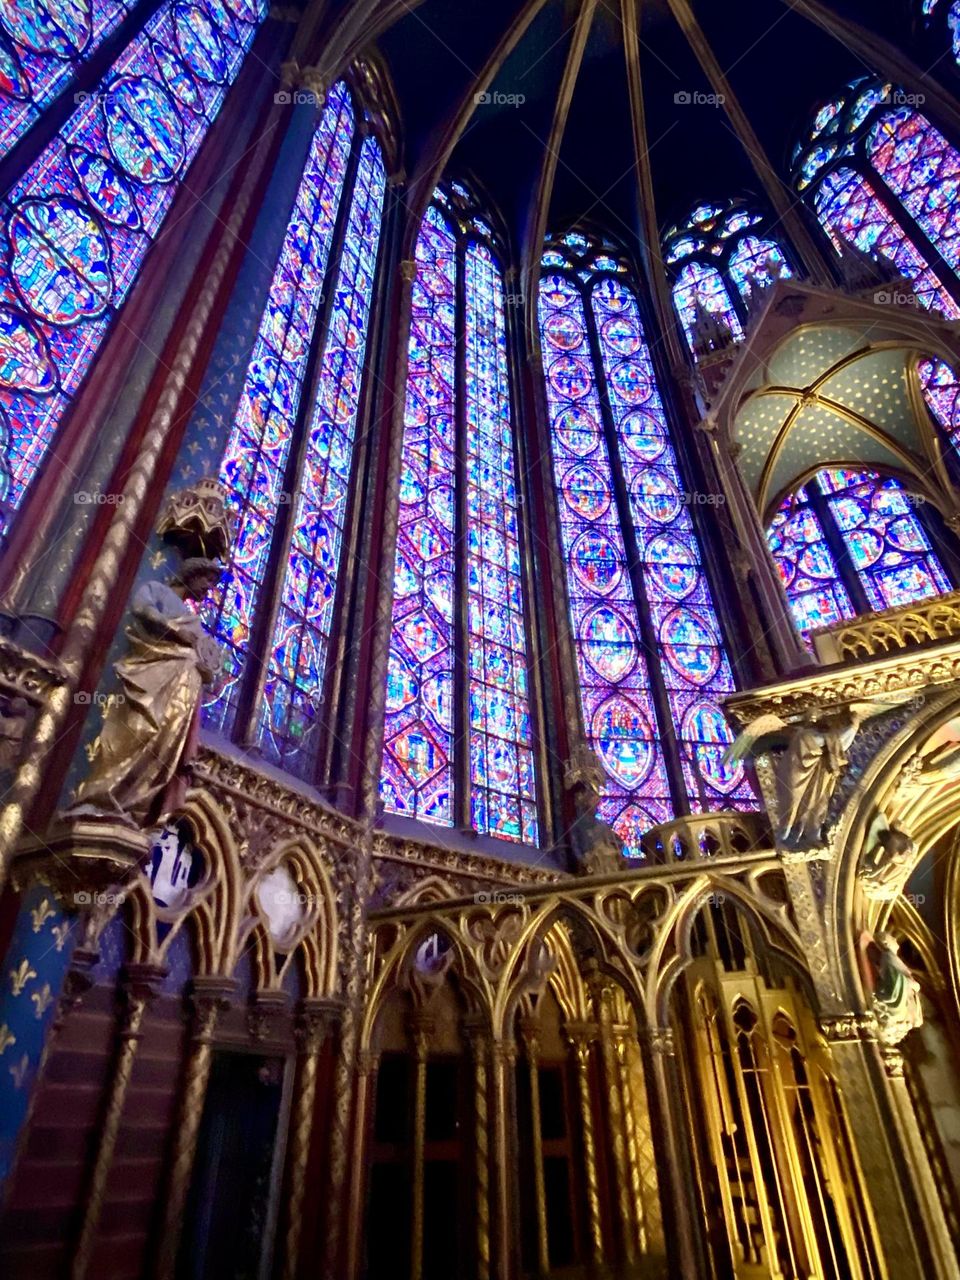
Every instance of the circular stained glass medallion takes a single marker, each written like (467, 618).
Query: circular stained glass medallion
(563, 331)
(706, 728)
(57, 28)
(107, 191)
(144, 130)
(623, 739)
(609, 643)
(25, 363)
(584, 491)
(596, 562)
(176, 77)
(690, 646)
(577, 430)
(631, 382)
(401, 686)
(657, 496)
(621, 335)
(672, 564)
(60, 260)
(866, 546)
(570, 377)
(200, 43)
(643, 435)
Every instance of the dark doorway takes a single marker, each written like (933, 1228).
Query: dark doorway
(229, 1220)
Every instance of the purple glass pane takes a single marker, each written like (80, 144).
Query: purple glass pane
(503, 791)
(255, 460)
(618, 709)
(293, 692)
(417, 776)
(694, 665)
(79, 223)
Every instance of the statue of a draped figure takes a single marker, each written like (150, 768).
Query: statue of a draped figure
(896, 992)
(140, 766)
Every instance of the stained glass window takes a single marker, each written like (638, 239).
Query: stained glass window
(79, 223)
(282, 423)
(255, 461)
(43, 43)
(930, 7)
(941, 391)
(701, 288)
(647, 637)
(459, 594)
(850, 209)
(851, 541)
(722, 262)
(884, 180)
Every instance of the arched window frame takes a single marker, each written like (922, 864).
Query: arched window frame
(242, 718)
(851, 594)
(709, 239)
(584, 262)
(121, 214)
(838, 140)
(471, 219)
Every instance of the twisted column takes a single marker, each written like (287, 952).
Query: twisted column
(422, 1027)
(630, 1134)
(479, 1049)
(313, 1022)
(503, 1055)
(530, 1031)
(209, 997)
(580, 1040)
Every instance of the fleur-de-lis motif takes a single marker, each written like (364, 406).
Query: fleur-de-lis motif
(19, 1071)
(40, 915)
(42, 999)
(20, 976)
(60, 934)
(7, 1038)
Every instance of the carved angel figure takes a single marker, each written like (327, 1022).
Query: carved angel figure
(140, 766)
(812, 757)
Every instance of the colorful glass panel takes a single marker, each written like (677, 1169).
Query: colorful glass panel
(618, 708)
(77, 226)
(43, 44)
(884, 540)
(503, 788)
(807, 568)
(293, 692)
(850, 209)
(255, 460)
(923, 171)
(417, 773)
(700, 287)
(694, 667)
(757, 263)
(941, 390)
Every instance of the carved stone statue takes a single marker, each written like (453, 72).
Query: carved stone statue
(896, 992)
(883, 865)
(140, 766)
(596, 845)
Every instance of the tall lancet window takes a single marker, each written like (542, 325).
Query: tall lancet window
(289, 458)
(79, 223)
(850, 542)
(882, 179)
(458, 744)
(650, 653)
(722, 258)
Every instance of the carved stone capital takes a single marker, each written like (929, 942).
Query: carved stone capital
(846, 1028)
(315, 1020)
(662, 1041)
(262, 1012)
(208, 998)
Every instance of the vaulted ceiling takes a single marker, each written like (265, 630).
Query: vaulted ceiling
(532, 97)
